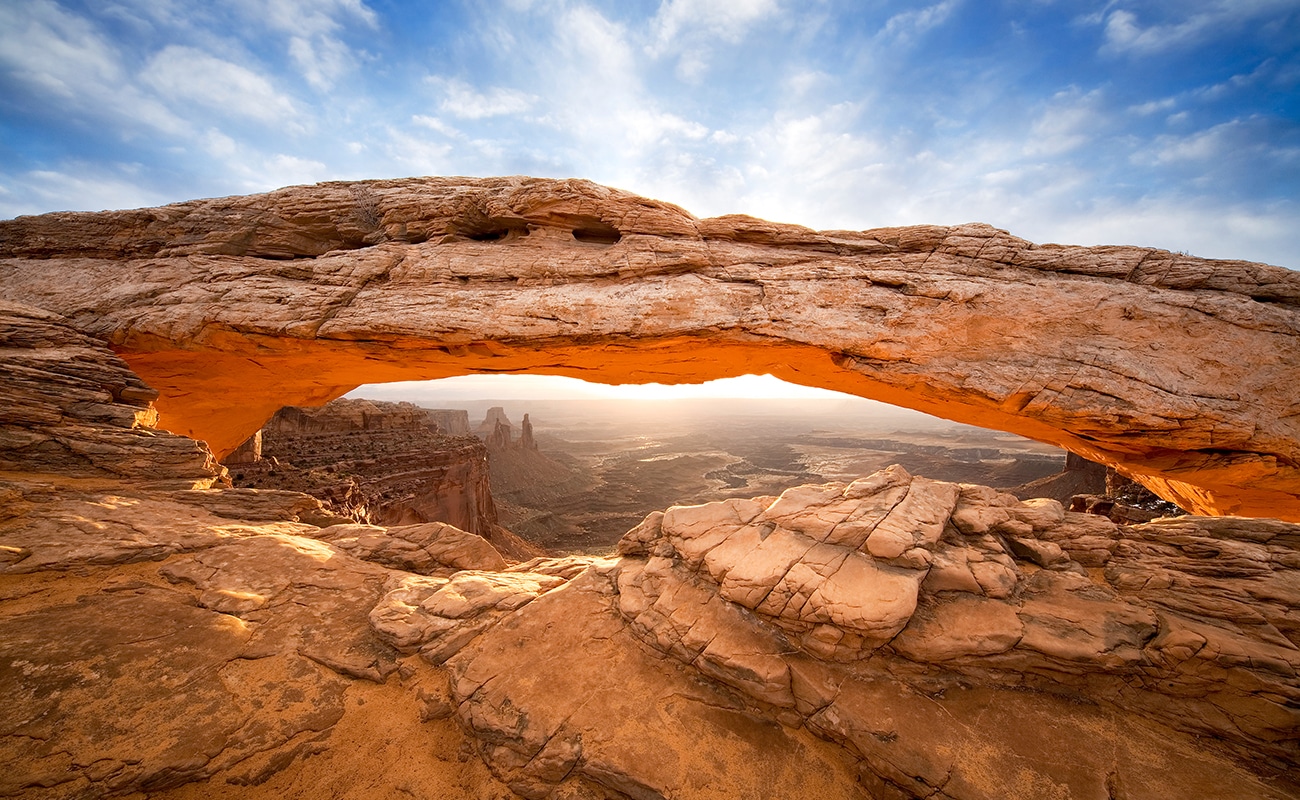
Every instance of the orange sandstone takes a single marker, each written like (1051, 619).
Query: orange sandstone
(1179, 371)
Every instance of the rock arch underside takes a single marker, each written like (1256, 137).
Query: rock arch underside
(1178, 371)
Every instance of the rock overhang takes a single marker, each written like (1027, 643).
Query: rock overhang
(1174, 369)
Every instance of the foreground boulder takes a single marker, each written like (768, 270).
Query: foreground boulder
(953, 640)
(1176, 370)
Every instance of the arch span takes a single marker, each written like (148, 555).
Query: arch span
(1179, 371)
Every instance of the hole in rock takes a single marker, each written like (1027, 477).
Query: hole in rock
(597, 233)
(482, 228)
(495, 235)
(570, 466)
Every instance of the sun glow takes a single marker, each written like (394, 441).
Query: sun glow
(554, 387)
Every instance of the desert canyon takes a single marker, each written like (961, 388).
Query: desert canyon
(167, 633)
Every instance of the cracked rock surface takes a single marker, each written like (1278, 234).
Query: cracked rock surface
(945, 678)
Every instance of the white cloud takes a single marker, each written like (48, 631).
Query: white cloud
(691, 30)
(218, 144)
(1153, 107)
(190, 75)
(313, 28)
(65, 61)
(419, 156)
(464, 101)
(722, 19)
(1199, 146)
(593, 100)
(905, 27)
(1201, 226)
(435, 124)
(54, 50)
(1221, 147)
(1200, 20)
(311, 17)
(805, 82)
(75, 187)
(323, 61)
(286, 170)
(245, 167)
(1070, 121)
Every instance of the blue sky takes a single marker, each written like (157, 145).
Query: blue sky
(1175, 124)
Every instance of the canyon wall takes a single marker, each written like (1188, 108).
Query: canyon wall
(381, 463)
(1178, 371)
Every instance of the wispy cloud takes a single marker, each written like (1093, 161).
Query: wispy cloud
(1071, 120)
(310, 17)
(313, 28)
(906, 26)
(64, 60)
(188, 75)
(691, 30)
(1194, 21)
(322, 61)
(464, 101)
(417, 154)
(78, 186)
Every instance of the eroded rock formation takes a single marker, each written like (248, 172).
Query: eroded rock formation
(386, 463)
(1178, 371)
(70, 407)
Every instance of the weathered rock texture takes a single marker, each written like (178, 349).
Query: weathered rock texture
(895, 637)
(68, 406)
(1178, 371)
(147, 642)
(1189, 620)
(382, 463)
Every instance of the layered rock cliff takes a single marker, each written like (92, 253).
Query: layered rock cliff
(70, 407)
(1177, 371)
(382, 463)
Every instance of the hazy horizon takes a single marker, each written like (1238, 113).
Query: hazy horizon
(556, 387)
(520, 394)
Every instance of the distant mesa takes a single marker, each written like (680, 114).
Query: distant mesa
(496, 417)
(1177, 371)
(498, 433)
(451, 421)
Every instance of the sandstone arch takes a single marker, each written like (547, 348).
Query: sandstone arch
(1179, 371)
